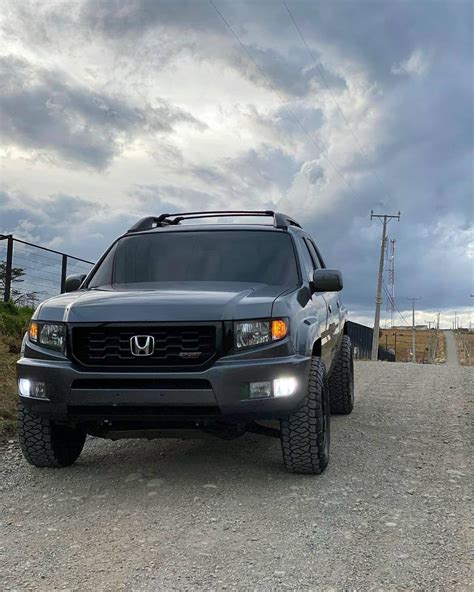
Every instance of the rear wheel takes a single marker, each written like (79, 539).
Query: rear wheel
(341, 381)
(46, 444)
(304, 435)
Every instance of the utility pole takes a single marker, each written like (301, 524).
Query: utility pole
(430, 342)
(413, 325)
(378, 298)
(437, 322)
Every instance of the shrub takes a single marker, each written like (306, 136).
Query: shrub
(14, 319)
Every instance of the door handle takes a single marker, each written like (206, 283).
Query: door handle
(329, 308)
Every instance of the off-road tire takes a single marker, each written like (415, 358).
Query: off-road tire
(46, 444)
(304, 435)
(341, 381)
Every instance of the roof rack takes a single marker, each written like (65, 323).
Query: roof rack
(280, 220)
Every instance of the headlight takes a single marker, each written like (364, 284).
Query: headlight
(51, 335)
(252, 333)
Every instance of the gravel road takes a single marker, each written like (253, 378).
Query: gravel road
(451, 349)
(392, 511)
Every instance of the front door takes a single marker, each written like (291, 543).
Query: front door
(317, 305)
(330, 336)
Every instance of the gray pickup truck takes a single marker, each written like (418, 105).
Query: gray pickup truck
(185, 329)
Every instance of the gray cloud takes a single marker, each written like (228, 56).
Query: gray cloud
(63, 222)
(252, 172)
(288, 126)
(116, 19)
(46, 111)
(377, 36)
(161, 31)
(289, 74)
(380, 35)
(251, 178)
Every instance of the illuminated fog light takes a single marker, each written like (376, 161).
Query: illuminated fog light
(259, 390)
(284, 387)
(24, 386)
(33, 390)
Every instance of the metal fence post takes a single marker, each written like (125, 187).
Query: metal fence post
(63, 272)
(8, 269)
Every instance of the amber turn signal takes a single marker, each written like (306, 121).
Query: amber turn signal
(279, 330)
(33, 331)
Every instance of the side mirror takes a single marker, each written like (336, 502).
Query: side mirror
(327, 280)
(73, 282)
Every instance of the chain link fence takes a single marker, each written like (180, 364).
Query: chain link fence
(30, 273)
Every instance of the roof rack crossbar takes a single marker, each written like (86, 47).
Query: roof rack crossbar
(195, 215)
(281, 221)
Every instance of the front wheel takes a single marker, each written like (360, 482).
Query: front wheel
(45, 443)
(304, 435)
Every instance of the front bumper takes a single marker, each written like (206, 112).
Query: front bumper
(221, 390)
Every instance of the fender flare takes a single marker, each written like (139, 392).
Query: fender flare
(309, 337)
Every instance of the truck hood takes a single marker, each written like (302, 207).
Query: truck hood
(187, 301)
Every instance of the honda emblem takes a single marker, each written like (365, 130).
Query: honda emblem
(142, 345)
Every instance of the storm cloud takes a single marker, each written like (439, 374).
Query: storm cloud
(48, 112)
(114, 110)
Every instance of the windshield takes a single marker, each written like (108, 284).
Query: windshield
(202, 256)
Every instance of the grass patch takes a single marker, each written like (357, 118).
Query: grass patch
(13, 324)
(14, 320)
(465, 344)
(8, 388)
(430, 345)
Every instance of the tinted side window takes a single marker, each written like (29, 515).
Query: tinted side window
(313, 253)
(322, 265)
(307, 260)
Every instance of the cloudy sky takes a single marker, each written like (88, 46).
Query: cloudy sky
(110, 110)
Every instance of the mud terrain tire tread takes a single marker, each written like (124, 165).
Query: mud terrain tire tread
(305, 434)
(45, 444)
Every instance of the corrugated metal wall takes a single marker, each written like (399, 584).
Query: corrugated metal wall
(361, 337)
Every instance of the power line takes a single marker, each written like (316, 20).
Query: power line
(323, 77)
(389, 297)
(413, 330)
(395, 306)
(280, 96)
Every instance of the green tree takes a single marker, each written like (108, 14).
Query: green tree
(16, 295)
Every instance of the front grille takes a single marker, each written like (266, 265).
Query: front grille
(175, 346)
(141, 383)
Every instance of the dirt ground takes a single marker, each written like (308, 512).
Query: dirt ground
(430, 345)
(392, 512)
